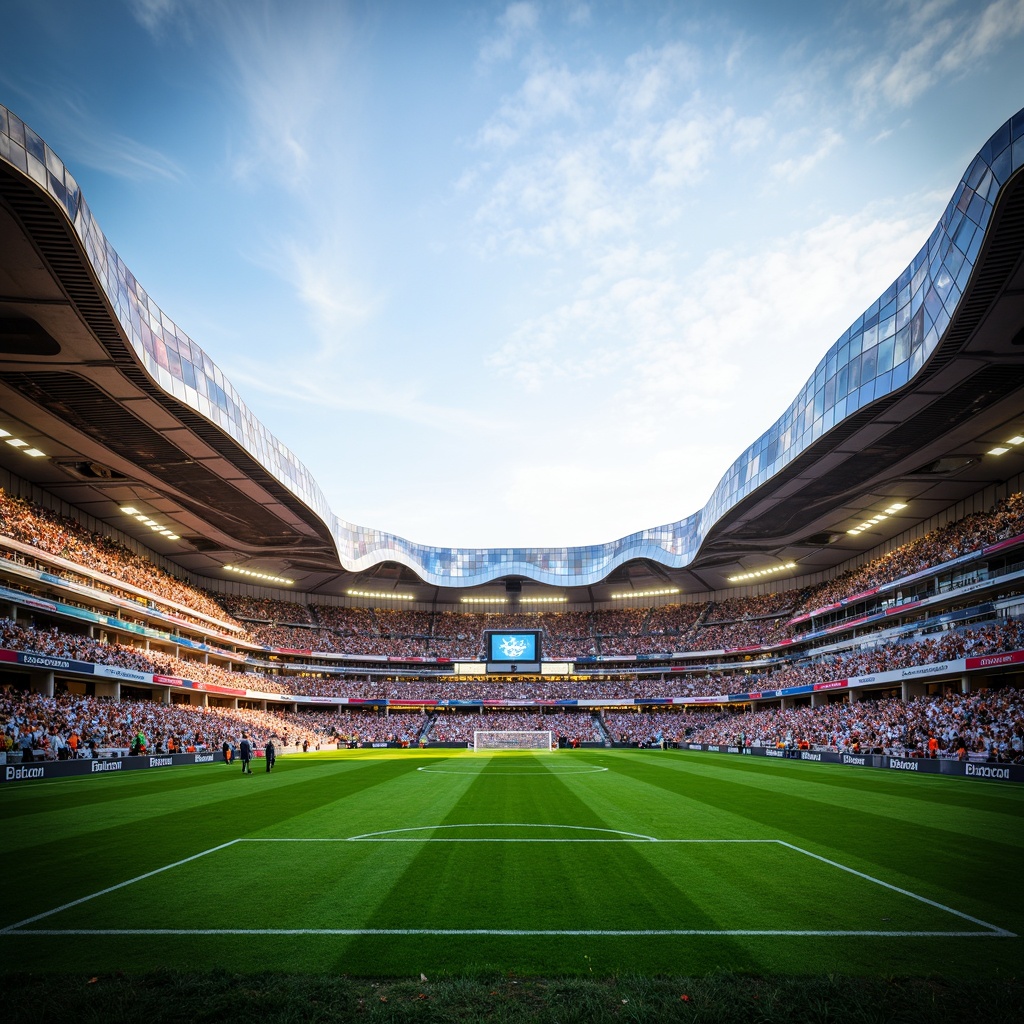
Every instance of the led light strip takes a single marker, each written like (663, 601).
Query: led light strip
(258, 575)
(896, 506)
(23, 446)
(385, 596)
(1000, 449)
(757, 573)
(645, 593)
(164, 531)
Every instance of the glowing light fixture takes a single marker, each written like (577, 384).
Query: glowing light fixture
(254, 575)
(382, 594)
(758, 573)
(483, 600)
(896, 506)
(646, 593)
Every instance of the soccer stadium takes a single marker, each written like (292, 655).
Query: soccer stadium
(782, 737)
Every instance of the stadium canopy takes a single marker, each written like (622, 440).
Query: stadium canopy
(108, 406)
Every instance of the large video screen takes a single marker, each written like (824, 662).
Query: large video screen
(512, 646)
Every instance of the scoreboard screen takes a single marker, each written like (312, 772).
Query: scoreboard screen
(513, 650)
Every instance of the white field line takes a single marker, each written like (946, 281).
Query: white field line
(502, 824)
(996, 930)
(554, 933)
(12, 928)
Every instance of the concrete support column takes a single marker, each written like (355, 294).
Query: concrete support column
(41, 682)
(854, 695)
(912, 689)
(965, 683)
(108, 688)
(787, 703)
(165, 695)
(817, 700)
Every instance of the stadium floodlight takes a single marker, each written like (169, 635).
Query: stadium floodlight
(998, 450)
(512, 739)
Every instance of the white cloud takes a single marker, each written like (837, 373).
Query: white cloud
(795, 167)
(926, 42)
(154, 15)
(692, 366)
(517, 22)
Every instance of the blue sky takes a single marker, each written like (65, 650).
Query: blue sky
(515, 273)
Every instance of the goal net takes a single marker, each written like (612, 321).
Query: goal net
(511, 740)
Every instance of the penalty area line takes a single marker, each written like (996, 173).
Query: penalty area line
(13, 929)
(995, 930)
(511, 932)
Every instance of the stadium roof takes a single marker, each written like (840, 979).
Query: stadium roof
(897, 423)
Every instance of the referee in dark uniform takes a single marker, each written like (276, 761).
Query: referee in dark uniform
(269, 754)
(245, 753)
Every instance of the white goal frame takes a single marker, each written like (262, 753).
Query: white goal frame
(512, 739)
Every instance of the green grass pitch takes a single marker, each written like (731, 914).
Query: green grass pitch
(392, 863)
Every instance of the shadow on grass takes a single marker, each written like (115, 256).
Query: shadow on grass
(298, 999)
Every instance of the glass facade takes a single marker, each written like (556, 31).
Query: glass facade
(880, 351)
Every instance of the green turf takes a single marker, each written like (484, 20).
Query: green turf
(588, 863)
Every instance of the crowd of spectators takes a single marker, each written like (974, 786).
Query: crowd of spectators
(573, 727)
(989, 723)
(870, 657)
(745, 622)
(89, 726)
(984, 724)
(266, 610)
(66, 538)
(975, 531)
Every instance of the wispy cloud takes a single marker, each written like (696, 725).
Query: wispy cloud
(87, 141)
(928, 41)
(796, 167)
(515, 24)
(155, 15)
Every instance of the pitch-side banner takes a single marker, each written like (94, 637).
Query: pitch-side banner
(36, 771)
(904, 765)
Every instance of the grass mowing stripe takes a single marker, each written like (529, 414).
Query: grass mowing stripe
(113, 888)
(598, 901)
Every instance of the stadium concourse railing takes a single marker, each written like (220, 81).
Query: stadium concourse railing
(882, 350)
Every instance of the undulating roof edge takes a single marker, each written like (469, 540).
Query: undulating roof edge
(882, 350)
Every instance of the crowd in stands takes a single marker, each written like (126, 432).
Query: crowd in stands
(989, 723)
(60, 535)
(88, 726)
(403, 633)
(459, 726)
(266, 610)
(1005, 520)
(893, 653)
(984, 725)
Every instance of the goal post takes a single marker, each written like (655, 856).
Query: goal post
(512, 739)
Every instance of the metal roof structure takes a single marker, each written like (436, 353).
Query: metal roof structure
(903, 409)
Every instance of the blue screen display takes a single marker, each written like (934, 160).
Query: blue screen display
(512, 647)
